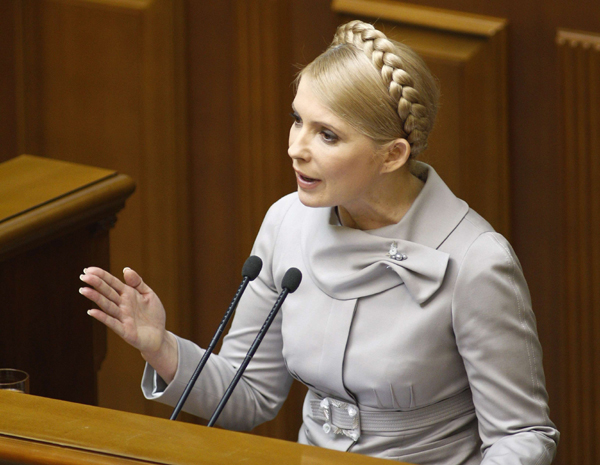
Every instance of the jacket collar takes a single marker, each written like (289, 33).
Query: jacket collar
(348, 263)
(434, 214)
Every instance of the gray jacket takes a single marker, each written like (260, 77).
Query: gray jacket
(424, 327)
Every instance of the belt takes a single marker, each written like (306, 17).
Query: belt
(345, 418)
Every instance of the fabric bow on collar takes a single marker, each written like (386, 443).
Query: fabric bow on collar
(348, 263)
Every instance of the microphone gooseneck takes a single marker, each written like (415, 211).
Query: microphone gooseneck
(250, 271)
(290, 282)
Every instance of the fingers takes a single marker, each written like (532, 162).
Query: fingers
(108, 278)
(105, 304)
(102, 287)
(135, 280)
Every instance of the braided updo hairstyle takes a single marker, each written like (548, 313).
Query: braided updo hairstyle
(379, 86)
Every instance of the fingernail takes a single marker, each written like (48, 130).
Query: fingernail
(84, 270)
(126, 268)
(81, 290)
(81, 276)
(89, 312)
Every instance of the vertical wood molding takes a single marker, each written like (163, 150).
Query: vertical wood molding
(264, 172)
(8, 103)
(240, 96)
(101, 82)
(579, 72)
(467, 53)
(263, 100)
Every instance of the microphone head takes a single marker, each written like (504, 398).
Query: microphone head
(252, 267)
(291, 279)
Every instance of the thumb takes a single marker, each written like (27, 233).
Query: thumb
(135, 280)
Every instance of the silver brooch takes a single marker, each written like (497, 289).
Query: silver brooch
(394, 254)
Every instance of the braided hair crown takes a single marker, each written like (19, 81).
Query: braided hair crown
(412, 91)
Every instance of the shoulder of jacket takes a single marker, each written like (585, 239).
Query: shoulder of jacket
(489, 250)
(477, 223)
(475, 237)
(281, 207)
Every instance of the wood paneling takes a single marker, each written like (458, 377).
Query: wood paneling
(467, 54)
(101, 82)
(579, 71)
(8, 105)
(264, 96)
(240, 95)
(250, 156)
(264, 174)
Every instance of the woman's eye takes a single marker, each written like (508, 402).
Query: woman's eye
(296, 116)
(329, 136)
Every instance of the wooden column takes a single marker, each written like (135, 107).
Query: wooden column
(579, 347)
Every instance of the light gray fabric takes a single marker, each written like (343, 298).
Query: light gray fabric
(387, 334)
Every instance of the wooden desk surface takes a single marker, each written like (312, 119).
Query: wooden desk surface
(42, 197)
(27, 182)
(43, 431)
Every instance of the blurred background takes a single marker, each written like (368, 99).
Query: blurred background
(191, 99)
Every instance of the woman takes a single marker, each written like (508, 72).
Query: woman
(413, 326)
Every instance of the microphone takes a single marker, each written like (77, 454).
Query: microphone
(250, 271)
(290, 282)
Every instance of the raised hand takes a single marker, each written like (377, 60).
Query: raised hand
(135, 313)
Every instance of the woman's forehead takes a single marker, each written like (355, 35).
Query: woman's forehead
(308, 103)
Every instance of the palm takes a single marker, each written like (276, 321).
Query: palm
(144, 322)
(131, 309)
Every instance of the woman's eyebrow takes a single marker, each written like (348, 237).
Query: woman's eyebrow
(330, 126)
(322, 123)
(334, 128)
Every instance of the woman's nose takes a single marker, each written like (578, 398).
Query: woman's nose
(297, 148)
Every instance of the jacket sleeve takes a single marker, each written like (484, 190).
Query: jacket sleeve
(497, 338)
(266, 382)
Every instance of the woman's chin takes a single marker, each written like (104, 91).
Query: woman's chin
(309, 199)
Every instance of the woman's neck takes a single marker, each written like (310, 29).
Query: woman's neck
(393, 201)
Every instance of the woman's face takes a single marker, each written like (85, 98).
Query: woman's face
(335, 165)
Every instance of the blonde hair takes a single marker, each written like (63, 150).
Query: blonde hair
(379, 86)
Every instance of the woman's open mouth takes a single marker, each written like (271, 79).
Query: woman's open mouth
(306, 182)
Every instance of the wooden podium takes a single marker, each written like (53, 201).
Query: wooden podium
(54, 221)
(35, 430)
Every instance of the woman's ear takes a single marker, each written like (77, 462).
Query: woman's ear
(397, 155)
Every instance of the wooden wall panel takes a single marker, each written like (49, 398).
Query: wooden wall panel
(579, 71)
(240, 97)
(8, 105)
(101, 83)
(467, 53)
(264, 96)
